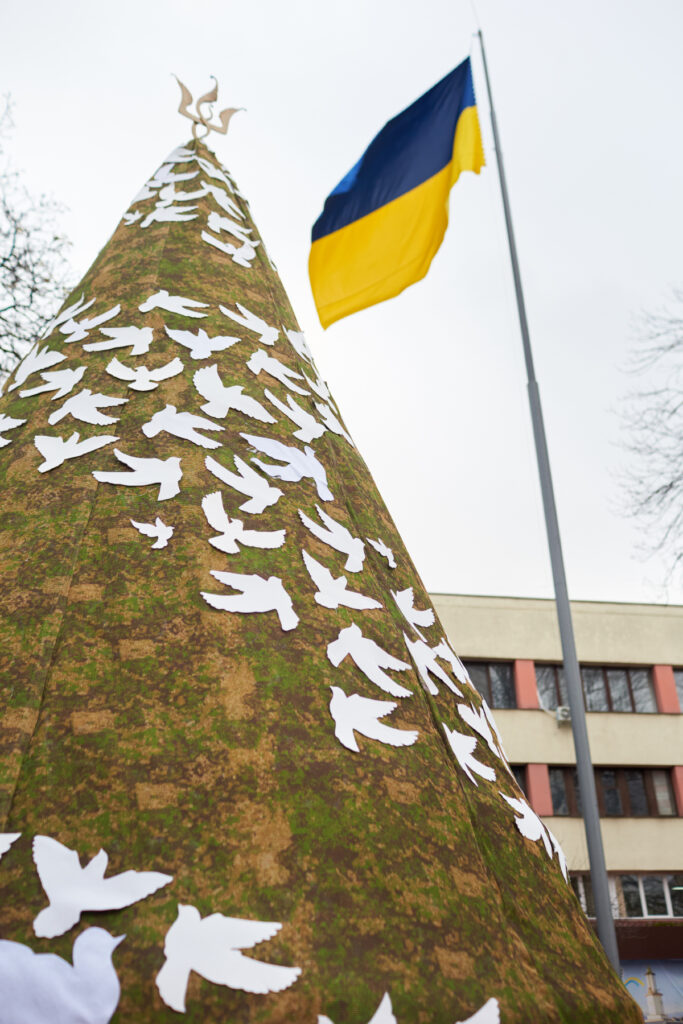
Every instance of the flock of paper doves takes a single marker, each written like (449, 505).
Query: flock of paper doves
(211, 946)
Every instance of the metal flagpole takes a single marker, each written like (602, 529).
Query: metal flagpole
(589, 802)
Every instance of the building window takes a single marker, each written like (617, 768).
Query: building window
(604, 689)
(678, 679)
(581, 884)
(519, 772)
(493, 680)
(648, 895)
(621, 792)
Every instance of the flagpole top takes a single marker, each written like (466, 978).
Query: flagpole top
(198, 117)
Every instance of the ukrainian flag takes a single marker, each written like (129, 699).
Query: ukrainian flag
(384, 222)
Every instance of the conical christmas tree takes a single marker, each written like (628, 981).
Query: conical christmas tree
(221, 668)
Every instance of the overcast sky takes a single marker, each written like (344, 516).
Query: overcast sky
(589, 98)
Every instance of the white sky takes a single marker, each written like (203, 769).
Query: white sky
(589, 98)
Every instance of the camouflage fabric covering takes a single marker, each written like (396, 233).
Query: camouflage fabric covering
(199, 741)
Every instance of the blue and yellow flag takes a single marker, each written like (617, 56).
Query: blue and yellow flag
(384, 222)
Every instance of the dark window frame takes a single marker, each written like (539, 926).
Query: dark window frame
(605, 669)
(472, 663)
(573, 800)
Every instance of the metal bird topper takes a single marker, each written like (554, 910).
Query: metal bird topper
(199, 118)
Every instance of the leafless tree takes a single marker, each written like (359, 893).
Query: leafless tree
(33, 264)
(653, 417)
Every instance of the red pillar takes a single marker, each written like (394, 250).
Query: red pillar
(665, 690)
(538, 789)
(525, 684)
(677, 782)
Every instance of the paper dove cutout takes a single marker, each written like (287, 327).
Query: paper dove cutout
(482, 722)
(130, 218)
(165, 472)
(169, 195)
(260, 360)
(242, 255)
(6, 840)
(166, 176)
(162, 213)
(444, 650)
(77, 330)
(331, 592)
(72, 889)
(37, 359)
(381, 549)
(249, 482)
(463, 747)
(139, 378)
(138, 338)
(158, 529)
(257, 595)
(331, 421)
(212, 947)
(172, 304)
(425, 657)
(338, 537)
(267, 335)
(560, 854)
(214, 172)
(7, 423)
(384, 1013)
(184, 425)
(405, 600)
(232, 532)
(201, 346)
(42, 988)
(298, 464)
(369, 657)
(85, 407)
(145, 193)
(74, 310)
(319, 386)
(223, 200)
(298, 343)
(489, 1013)
(360, 714)
(217, 223)
(221, 399)
(59, 381)
(309, 428)
(179, 155)
(528, 822)
(56, 450)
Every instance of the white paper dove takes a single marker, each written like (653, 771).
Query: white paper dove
(405, 600)
(384, 1013)
(162, 213)
(444, 650)
(463, 747)
(179, 155)
(247, 481)
(145, 193)
(184, 425)
(309, 428)
(528, 822)
(42, 988)
(381, 549)
(298, 464)
(143, 472)
(132, 216)
(489, 1013)
(157, 529)
(214, 172)
(299, 344)
(331, 421)
(72, 890)
(218, 224)
(35, 360)
(77, 330)
(221, 399)
(331, 592)
(59, 381)
(482, 722)
(223, 199)
(319, 386)
(172, 304)
(169, 195)
(232, 532)
(139, 378)
(56, 450)
(260, 361)
(356, 714)
(138, 339)
(6, 840)
(267, 335)
(85, 406)
(425, 658)
(74, 310)
(7, 423)
(257, 595)
(242, 254)
(338, 537)
(212, 947)
(201, 346)
(165, 175)
(369, 657)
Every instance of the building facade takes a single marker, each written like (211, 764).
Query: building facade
(631, 658)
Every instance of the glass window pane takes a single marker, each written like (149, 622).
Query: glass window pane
(502, 685)
(594, 688)
(545, 682)
(631, 893)
(618, 688)
(663, 794)
(577, 792)
(676, 893)
(678, 679)
(643, 692)
(557, 791)
(480, 678)
(637, 797)
(519, 772)
(610, 791)
(655, 900)
(588, 893)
